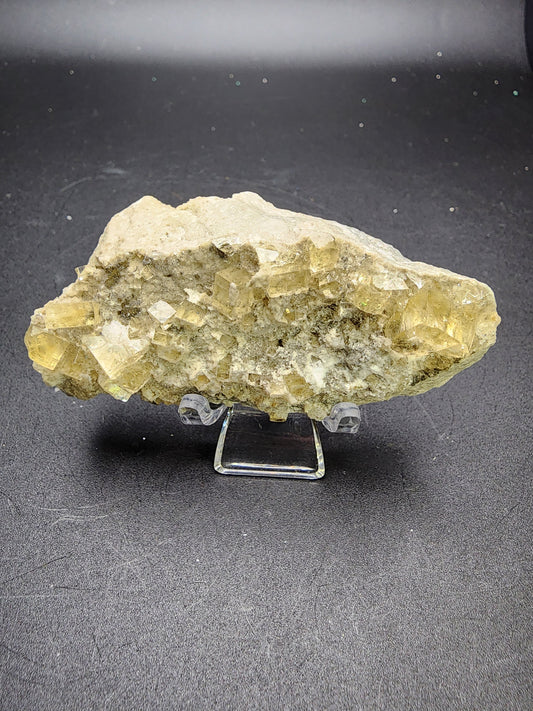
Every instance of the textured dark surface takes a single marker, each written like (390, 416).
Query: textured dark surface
(133, 576)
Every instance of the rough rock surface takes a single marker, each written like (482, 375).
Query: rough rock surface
(241, 301)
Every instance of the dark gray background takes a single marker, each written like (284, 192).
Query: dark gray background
(133, 576)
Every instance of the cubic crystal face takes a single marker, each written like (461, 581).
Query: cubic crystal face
(243, 302)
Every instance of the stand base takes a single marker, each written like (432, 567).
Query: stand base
(251, 445)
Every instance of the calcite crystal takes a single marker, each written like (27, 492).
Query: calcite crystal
(240, 301)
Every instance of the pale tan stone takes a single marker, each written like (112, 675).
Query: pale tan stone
(241, 301)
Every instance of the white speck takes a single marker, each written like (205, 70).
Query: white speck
(69, 217)
(496, 82)
(8, 195)
(363, 100)
(439, 54)
(264, 80)
(437, 76)
(81, 405)
(144, 437)
(50, 109)
(526, 167)
(198, 560)
(393, 80)
(446, 140)
(231, 76)
(154, 78)
(474, 93)
(411, 530)
(452, 209)
(395, 210)
(171, 434)
(361, 124)
(71, 72)
(244, 535)
(213, 128)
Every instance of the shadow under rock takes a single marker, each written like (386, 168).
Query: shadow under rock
(152, 446)
(161, 449)
(366, 462)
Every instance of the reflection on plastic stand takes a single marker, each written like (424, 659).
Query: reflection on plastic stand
(251, 445)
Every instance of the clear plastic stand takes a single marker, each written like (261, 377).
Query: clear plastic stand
(251, 445)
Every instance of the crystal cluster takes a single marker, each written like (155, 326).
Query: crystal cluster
(240, 301)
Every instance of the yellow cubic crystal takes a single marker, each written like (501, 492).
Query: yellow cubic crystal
(331, 288)
(298, 386)
(223, 367)
(287, 281)
(70, 314)
(368, 298)
(45, 349)
(190, 314)
(170, 353)
(77, 362)
(324, 257)
(114, 349)
(161, 311)
(232, 290)
(130, 381)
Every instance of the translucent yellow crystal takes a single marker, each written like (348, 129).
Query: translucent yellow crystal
(45, 349)
(298, 386)
(114, 349)
(76, 362)
(171, 353)
(128, 382)
(287, 280)
(232, 290)
(161, 311)
(324, 257)
(223, 367)
(190, 314)
(70, 314)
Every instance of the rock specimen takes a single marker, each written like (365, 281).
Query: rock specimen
(238, 300)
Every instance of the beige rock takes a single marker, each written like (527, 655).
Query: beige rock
(241, 301)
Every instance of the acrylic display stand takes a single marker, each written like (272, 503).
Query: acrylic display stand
(251, 445)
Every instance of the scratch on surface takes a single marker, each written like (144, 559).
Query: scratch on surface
(66, 509)
(440, 435)
(23, 679)
(96, 645)
(502, 518)
(74, 518)
(74, 183)
(132, 564)
(17, 653)
(88, 178)
(29, 596)
(11, 502)
(7, 432)
(428, 415)
(37, 567)
(114, 171)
